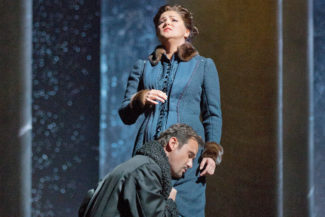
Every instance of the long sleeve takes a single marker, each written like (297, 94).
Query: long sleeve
(129, 114)
(210, 104)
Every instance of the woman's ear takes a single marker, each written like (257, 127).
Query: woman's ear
(187, 33)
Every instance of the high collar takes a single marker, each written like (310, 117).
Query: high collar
(185, 53)
(155, 151)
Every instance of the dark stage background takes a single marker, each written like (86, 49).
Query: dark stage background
(66, 79)
(82, 53)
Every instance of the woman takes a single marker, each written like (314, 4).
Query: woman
(177, 85)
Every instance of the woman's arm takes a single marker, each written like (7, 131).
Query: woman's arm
(129, 113)
(211, 112)
(137, 99)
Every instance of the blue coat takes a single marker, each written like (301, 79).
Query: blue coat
(193, 98)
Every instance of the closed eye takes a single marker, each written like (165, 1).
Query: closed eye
(191, 155)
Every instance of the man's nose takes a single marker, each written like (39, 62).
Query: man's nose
(190, 163)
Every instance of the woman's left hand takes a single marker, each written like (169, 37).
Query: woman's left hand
(209, 166)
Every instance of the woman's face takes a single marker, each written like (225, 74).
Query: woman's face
(171, 26)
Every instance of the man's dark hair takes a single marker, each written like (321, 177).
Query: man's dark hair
(182, 132)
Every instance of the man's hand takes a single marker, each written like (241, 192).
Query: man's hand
(208, 165)
(172, 194)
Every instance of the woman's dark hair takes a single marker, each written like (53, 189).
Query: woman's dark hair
(184, 13)
(182, 132)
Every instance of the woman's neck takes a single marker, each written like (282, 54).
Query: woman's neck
(171, 47)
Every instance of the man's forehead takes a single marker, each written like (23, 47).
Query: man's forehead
(192, 145)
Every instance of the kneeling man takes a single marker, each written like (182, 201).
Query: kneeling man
(142, 185)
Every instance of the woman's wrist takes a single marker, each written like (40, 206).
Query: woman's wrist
(138, 100)
(213, 150)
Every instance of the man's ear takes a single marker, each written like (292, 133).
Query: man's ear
(172, 144)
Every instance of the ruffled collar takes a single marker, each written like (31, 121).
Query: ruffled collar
(155, 151)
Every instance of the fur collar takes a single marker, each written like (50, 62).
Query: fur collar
(185, 53)
(155, 151)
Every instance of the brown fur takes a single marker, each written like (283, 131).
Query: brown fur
(185, 53)
(214, 151)
(138, 100)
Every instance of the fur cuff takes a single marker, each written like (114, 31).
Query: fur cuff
(185, 52)
(214, 151)
(138, 100)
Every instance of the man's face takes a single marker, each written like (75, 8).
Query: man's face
(181, 159)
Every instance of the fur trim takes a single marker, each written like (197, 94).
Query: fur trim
(185, 52)
(171, 208)
(138, 100)
(214, 151)
(155, 151)
(155, 57)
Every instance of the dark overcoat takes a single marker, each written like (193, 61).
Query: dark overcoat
(140, 187)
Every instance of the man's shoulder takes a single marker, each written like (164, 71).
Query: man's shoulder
(132, 166)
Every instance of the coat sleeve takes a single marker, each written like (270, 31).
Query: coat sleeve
(143, 195)
(210, 104)
(129, 114)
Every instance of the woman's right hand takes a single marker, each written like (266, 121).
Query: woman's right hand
(153, 97)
